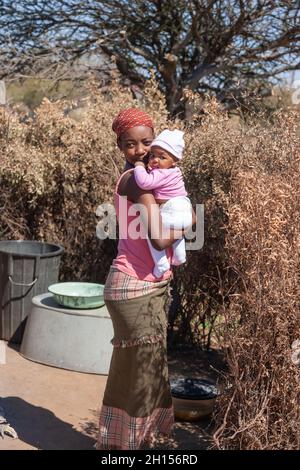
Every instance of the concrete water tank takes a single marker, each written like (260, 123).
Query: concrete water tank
(68, 338)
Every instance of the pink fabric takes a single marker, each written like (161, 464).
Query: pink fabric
(134, 257)
(165, 184)
(123, 432)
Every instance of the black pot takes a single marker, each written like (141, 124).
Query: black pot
(193, 399)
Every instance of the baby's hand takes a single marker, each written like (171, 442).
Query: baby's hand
(140, 164)
(146, 159)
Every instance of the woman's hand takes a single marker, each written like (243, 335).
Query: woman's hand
(194, 217)
(194, 221)
(190, 228)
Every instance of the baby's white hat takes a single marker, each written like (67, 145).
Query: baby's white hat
(171, 141)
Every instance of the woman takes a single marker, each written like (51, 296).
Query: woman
(137, 403)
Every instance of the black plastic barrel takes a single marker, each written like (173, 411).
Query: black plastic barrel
(27, 268)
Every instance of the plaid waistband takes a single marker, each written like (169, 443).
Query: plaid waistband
(121, 286)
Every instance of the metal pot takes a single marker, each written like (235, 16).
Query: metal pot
(193, 399)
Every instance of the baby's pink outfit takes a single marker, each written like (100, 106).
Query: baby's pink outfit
(165, 184)
(176, 213)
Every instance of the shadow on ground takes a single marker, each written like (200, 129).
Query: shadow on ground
(40, 427)
(187, 361)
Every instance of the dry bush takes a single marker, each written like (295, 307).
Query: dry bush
(242, 288)
(212, 153)
(261, 407)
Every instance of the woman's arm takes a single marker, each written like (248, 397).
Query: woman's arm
(160, 238)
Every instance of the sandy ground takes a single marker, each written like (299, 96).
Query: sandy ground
(53, 408)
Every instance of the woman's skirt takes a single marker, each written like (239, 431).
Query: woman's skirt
(137, 403)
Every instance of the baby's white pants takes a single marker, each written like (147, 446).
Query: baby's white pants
(176, 214)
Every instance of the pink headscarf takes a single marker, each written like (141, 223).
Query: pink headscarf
(131, 117)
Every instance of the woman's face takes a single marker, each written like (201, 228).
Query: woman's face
(135, 143)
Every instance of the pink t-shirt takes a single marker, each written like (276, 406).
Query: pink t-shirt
(165, 184)
(134, 257)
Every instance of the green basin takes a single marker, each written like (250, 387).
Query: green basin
(78, 294)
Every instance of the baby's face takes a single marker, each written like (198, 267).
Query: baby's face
(160, 158)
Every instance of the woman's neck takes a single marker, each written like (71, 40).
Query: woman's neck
(128, 166)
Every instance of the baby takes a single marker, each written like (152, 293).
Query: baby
(165, 180)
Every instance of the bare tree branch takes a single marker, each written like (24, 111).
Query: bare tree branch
(189, 43)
